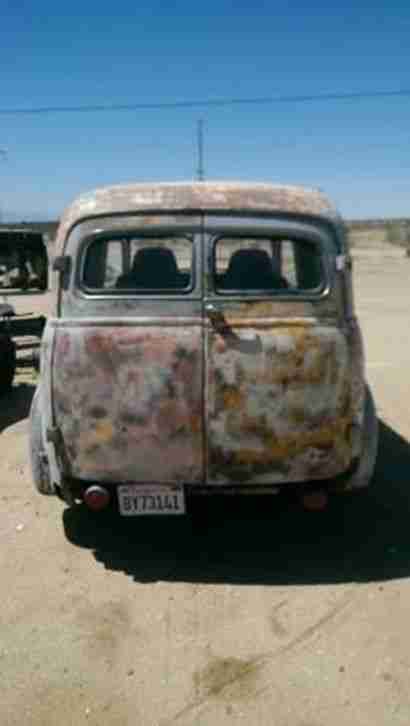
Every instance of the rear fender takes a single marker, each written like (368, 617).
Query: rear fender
(45, 405)
(362, 476)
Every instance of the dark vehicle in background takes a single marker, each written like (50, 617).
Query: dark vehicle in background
(23, 260)
(23, 269)
(7, 349)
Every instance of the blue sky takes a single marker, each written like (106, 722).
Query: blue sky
(95, 53)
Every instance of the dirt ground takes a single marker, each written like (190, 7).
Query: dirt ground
(253, 612)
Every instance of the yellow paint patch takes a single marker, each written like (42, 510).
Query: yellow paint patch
(195, 424)
(90, 443)
(233, 399)
(333, 435)
(104, 431)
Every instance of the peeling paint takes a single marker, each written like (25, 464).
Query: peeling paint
(134, 401)
(286, 413)
(204, 196)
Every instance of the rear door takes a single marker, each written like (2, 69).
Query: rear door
(128, 355)
(278, 405)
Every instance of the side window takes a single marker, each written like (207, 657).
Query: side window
(288, 262)
(95, 264)
(139, 265)
(273, 265)
(114, 263)
(309, 266)
(301, 264)
(247, 264)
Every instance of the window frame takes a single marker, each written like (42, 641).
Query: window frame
(270, 236)
(123, 237)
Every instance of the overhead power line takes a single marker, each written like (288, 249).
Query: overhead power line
(210, 103)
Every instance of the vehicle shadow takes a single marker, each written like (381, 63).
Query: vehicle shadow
(270, 541)
(15, 405)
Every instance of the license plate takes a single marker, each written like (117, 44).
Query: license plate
(136, 501)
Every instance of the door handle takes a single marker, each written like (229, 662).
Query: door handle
(217, 318)
(222, 327)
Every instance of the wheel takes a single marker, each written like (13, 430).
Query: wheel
(7, 364)
(363, 475)
(39, 464)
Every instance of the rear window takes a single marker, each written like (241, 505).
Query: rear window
(268, 265)
(138, 265)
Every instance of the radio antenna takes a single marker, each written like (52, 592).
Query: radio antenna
(200, 140)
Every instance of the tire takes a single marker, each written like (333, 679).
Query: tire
(41, 283)
(7, 364)
(363, 475)
(38, 459)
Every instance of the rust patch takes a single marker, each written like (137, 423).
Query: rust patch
(286, 411)
(195, 197)
(233, 398)
(134, 401)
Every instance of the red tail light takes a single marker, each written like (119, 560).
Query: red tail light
(96, 498)
(315, 501)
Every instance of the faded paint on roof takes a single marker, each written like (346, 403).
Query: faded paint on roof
(197, 196)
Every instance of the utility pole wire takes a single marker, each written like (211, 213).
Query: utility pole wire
(210, 103)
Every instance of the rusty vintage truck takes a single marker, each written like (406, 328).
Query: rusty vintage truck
(204, 340)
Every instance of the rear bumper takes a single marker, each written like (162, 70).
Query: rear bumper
(76, 488)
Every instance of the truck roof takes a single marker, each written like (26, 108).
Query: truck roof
(218, 197)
